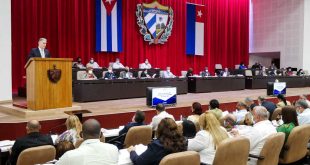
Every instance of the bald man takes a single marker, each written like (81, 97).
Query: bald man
(258, 133)
(32, 139)
(91, 151)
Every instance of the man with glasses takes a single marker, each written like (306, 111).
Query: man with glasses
(303, 112)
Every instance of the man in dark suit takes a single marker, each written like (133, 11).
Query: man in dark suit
(110, 74)
(137, 120)
(270, 106)
(205, 73)
(40, 51)
(32, 139)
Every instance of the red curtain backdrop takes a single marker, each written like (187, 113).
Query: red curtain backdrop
(69, 26)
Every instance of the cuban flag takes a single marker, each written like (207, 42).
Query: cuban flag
(109, 25)
(195, 29)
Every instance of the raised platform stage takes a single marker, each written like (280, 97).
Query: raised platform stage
(114, 113)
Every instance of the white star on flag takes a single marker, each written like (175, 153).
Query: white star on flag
(109, 1)
(199, 13)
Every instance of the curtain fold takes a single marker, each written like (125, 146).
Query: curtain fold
(69, 26)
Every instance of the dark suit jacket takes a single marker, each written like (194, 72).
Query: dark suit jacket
(152, 156)
(124, 131)
(35, 52)
(270, 106)
(109, 75)
(189, 74)
(31, 140)
(204, 73)
(128, 126)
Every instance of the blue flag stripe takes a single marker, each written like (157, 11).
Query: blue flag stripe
(151, 22)
(109, 33)
(190, 29)
(98, 25)
(119, 26)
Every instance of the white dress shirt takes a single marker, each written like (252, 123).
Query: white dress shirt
(304, 117)
(93, 65)
(257, 136)
(42, 53)
(145, 66)
(204, 145)
(93, 152)
(117, 65)
(156, 119)
(240, 114)
(168, 74)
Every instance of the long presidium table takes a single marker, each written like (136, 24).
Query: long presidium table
(95, 90)
(215, 84)
(260, 82)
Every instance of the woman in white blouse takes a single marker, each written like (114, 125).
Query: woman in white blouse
(207, 139)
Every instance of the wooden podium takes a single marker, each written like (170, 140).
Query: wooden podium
(49, 83)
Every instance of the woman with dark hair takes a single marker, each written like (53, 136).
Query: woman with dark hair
(289, 117)
(197, 110)
(189, 72)
(189, 129)
(169, 140)
(214, 106)
(282, 101)
(62, 147)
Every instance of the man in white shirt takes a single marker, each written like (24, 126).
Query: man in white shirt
(146, 65)
(168, 73)
(241, 111)
(258, 133)
(91, 151)
(117, 64)
(303, 112)
(92, 64)
(161, 114)
(41, 50)
(305, 97)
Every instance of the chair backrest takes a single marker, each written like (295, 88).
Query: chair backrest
(248, 72)
(122, 74)
(140, 66)
(271, 149)
(36, 155)
(181, 158)
(80, 74)
(183, 73)
(275, 113)
(232, 151)
(138, 135)
(161, 74)
(139, 73)
(295, 147)
(218, 66)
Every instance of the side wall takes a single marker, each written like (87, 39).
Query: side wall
(279, 26)
(5, 51)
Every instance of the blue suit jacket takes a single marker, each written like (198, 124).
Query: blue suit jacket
(35, 52)
(152, 156)
(270, 106)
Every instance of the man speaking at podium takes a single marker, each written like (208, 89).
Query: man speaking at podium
(40, 51)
